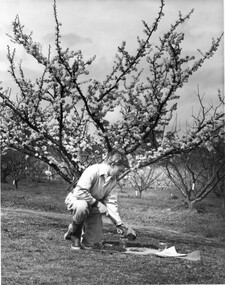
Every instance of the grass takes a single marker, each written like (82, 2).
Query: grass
(34, 220)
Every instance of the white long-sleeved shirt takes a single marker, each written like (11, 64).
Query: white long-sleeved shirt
(95, 183)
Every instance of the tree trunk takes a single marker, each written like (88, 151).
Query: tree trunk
(15, 183)
(191, 204)
(3, 177)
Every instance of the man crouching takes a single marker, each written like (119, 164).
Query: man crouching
(95, 195)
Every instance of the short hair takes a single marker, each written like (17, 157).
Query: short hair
(116, 157)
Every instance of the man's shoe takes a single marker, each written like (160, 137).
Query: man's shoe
(67, 235)
(85, 247)
(75, 243)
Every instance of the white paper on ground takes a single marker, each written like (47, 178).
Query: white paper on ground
(193, 256)
(169, 252)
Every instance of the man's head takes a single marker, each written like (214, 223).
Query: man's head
(118, 162)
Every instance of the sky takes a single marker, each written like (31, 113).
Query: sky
(97, 27)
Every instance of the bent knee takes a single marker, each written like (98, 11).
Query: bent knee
(81, 206)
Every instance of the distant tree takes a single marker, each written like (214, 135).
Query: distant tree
(5, 167)
(35, 170)
(199, 172)
(217, 150)
(62, 115)
(142, 179)
(16, 164)
(220, 191)
(19, 166)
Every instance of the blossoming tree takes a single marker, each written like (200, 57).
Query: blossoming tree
(52, 116)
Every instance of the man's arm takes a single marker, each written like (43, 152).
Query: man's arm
(113, 213)
(112, 207)
(84, 184)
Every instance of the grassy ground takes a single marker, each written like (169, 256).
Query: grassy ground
(34, 220)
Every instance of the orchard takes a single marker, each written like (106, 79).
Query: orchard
(61, 118)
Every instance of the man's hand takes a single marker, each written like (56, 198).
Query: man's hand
(99, 208)
(126, 232)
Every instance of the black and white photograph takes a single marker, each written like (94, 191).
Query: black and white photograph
(112, 122)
